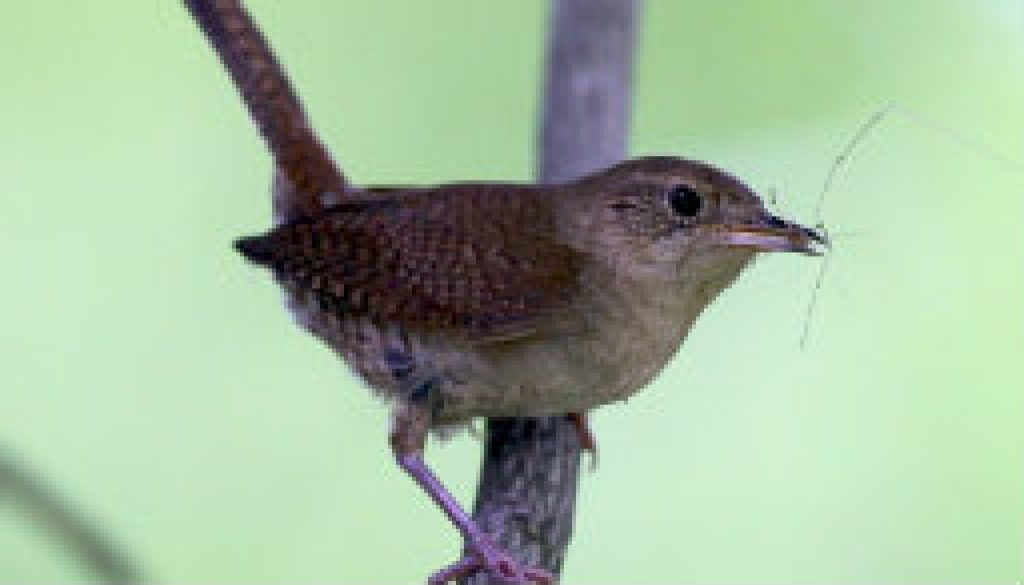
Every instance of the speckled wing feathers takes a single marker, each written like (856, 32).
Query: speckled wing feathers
(485, 259)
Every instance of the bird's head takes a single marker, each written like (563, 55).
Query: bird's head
(681, 220)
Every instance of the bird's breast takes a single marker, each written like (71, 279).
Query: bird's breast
(605, 346)
(610, 343)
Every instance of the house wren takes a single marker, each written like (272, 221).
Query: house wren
(490, 299)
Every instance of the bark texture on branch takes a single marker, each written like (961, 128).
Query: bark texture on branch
(527, 492)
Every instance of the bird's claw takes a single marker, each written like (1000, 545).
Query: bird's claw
(588, 442)
(486, 556)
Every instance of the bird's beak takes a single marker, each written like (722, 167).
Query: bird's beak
(774, 234)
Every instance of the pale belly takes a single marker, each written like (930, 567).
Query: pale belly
(606, 354)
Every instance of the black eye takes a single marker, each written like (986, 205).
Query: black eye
(685, 201)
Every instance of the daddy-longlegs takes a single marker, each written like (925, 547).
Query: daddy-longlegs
(843, 157)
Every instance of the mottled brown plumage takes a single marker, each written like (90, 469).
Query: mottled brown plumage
(494, 299)
(519, 300)
(483, 259)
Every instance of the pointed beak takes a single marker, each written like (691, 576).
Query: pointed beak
(774, 234)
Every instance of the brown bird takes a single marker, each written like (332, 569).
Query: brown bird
(491, 299)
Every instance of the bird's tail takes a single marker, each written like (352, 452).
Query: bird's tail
(298, 153)
(256, 249)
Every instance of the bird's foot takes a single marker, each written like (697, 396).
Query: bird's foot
(484, 555)
(588, 442)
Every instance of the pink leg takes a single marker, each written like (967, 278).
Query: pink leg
(482, 553)
(407, 439)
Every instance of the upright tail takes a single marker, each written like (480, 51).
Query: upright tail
(298, 153)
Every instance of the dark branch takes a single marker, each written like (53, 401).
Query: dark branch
(70, 530)
(527, 491)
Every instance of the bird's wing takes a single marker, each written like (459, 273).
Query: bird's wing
(485, 259)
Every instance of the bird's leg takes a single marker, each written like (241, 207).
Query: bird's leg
(586, 436)
(408, 435)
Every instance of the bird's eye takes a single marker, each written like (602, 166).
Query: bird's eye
(685, 201)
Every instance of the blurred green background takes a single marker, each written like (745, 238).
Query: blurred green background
(154, 379)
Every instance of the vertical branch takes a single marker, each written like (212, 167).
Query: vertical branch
(588, 92)
(527, 491)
